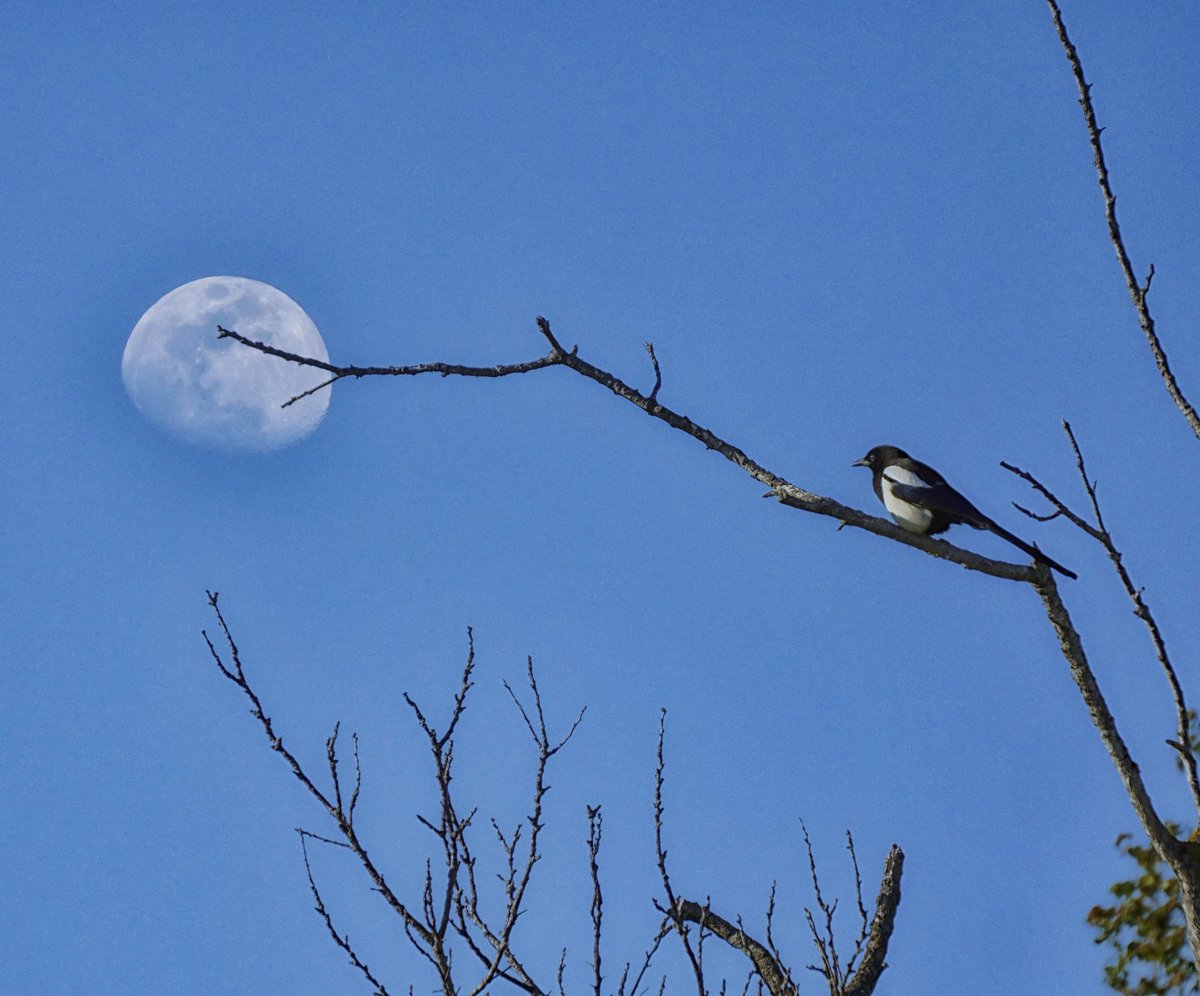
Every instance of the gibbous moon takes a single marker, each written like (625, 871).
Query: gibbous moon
(216, 392)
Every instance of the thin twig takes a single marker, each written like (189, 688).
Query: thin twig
(672, 908)
(416, 369)
(771, 945)
(826, 946)
(664, 928)
(1060, 507)
(595, 831)
(653, 396)
(1138, 292)
(862, 910)
(236, 674)
(341, 940)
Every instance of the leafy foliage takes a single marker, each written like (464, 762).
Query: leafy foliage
(1146, 929)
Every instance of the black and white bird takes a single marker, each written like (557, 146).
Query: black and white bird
(921, 501)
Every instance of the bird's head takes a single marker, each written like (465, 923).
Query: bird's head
(880, 456)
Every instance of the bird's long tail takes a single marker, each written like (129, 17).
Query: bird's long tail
(1033, 551)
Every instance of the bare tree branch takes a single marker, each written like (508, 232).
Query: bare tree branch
(777, 982)
(780, 489)
(766, 960)
(826, 945)
(672, 907)
(1142, 611)
(595, 831)
(1138, 292)
(872, 940)
(1101, 534)
(664, 929)
(653, 397)
(1071, 645)
(862, 910)
(341, 940)
(444, 369)
(771, 945)
(446, 904)
(236, 674)
(874, 961)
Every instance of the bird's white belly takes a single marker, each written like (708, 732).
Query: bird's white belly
(907, 515)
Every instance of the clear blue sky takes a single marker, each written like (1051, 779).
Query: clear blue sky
(839, 227)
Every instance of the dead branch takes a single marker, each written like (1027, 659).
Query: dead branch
(1071, 645)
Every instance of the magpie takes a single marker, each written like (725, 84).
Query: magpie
(921, 501)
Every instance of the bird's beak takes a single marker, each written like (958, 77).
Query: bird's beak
(860, 463)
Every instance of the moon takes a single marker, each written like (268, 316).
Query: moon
(217, 393)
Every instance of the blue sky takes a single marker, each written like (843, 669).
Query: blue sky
(838, 227)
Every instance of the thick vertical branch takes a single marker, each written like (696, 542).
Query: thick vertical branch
(874, 959)
(1174, 852)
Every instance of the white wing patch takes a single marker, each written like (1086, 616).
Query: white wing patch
(908, 516)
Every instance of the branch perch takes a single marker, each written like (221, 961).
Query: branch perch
(782, 490)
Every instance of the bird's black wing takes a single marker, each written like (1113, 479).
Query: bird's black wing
(940, 497)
